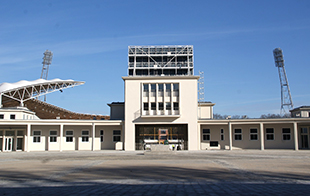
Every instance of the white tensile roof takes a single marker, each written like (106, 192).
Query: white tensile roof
(25, 90)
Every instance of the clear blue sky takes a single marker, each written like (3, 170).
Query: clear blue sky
(233, 43)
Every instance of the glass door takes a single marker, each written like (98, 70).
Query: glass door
(9, 143)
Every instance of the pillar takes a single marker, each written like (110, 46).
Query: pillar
(295, 136)
(93, 137)
(1, 100)
(28, 136)
(61, 136)
(262, 138)
(230, 135)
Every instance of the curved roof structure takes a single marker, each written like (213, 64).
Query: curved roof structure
(24, 90)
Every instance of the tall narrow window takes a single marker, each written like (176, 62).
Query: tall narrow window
(116, 136)
(69, 136)
(36, 136)
(175, 106)
(175, 89)
(222, 134)
(253, 134)
(153, 106)
(146, 106)
(160, 106)
(238, 134)
(206, 134)
(153, 90)
(160, 90)
(168, 106)
(101, 135)
(286, 133)
(145, 90)
(269, 134)
(168, 90)
(85, 136)
(53, 136)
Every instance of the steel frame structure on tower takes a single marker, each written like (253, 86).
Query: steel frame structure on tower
(47, 60)
(286, 98)
(160, 60)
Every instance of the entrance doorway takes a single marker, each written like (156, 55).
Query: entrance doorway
(8, 144)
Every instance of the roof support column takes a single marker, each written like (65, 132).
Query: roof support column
(262, 138)
(1, 100)
(93, 137)
(61, 137)
(295, 136)
(28, 137)
(230, 135)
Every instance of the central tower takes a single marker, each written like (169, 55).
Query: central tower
(160, 60)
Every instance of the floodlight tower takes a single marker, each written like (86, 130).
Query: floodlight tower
(286, 98)
(47, 60)
(201, 88)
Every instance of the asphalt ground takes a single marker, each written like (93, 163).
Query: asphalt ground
(238, 172)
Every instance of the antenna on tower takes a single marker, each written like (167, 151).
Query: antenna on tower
(47, 60)
(286, 98)
(201, 88)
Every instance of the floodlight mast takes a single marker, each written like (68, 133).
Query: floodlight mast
(286, 98)
(47, 60)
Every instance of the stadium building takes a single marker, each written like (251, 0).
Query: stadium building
(160, 112)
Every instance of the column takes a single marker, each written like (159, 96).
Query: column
(61, 137)
(1, 100)
(262, 138)
(295, 136)
(28, 136)
(230, 135)
(93, 137)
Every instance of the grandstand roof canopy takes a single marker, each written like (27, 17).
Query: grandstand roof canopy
(25, 90)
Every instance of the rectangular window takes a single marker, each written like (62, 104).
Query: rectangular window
(175, 106)
(53, 136)
(168, 106)
(85, 136)
(206, 134)
(145, 106)
(1, 116)
(269, 134)
(101, 135)
(153, 106)
(238, 134)
(145, 87)
(116, 136)
(175, 87)
(168, 89)
(160, 106)
(153, 90)
(286, 133)
(253, 134)
(12, 116)
(36, 136)
(160, 89)
(69, 136)
(222, 134)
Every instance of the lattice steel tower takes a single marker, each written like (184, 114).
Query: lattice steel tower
(286, 98)
(47, 60)
(201, 88)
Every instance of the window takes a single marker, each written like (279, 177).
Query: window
(145, 87)
(206, 135)
(1, 116)
(153, 106)
(168, 89)
(253, 134)
(160, 106)
(238, 134)
(286, 133)
(145, 106)
(53, 136)
(153, 90)
(168, 106)
(222, 134)
(69, 136)
(175, 106)
(101, 135)
(160, 89)
(175, 87)
(85, 136)
(116, 136)
(12, 116)
(269, 134)
(36, 136)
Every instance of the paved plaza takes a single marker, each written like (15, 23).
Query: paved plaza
(239, 172)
